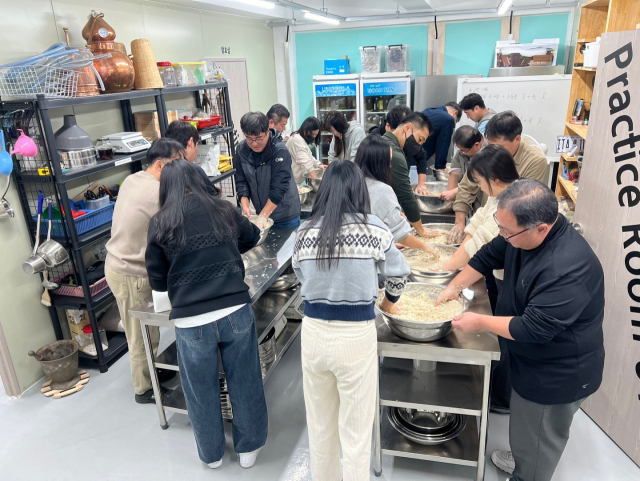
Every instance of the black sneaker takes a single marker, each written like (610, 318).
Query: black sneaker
(148, 397)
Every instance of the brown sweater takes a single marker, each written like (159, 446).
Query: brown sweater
(138, 202)
(530, 164)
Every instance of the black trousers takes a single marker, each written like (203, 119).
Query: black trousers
(501, 372)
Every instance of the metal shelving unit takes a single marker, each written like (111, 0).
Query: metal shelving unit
(45, 173)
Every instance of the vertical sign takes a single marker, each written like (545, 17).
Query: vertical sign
(608, 209)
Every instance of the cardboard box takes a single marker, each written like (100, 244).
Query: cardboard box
(77, 320)
(337, 67)
(151, 133)
(150, 121)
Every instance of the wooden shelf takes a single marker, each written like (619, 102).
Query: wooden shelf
(569, 159)
(585, 69)
(580, 130)
(570, 189)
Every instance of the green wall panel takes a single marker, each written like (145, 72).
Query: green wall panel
(313, 48)
(470, 46)
(545, 26)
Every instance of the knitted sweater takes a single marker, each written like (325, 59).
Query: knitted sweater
(348, 291)
(483, 229)
(384, 205)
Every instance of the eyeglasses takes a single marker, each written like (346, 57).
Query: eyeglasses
(503, 233)
(465, 152)
(255, 140)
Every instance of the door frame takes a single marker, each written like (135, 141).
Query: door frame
(7, 370)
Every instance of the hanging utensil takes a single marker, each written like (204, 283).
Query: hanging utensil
(35, 263)
(51, 251)
(5, 208)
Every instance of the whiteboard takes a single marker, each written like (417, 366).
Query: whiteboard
(539, 101)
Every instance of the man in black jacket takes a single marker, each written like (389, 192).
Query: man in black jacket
(550, 310)
(263, 174)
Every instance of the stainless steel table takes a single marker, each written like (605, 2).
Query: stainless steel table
(459, 384)
(266, 263)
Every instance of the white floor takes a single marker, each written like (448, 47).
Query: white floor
(101, 434)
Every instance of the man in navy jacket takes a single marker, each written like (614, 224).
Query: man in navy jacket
(550, 310)
(444, 121)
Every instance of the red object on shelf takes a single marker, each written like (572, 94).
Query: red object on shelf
(214, 120)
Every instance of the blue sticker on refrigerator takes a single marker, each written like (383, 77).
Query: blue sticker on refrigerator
(336, 90)
(384, 88)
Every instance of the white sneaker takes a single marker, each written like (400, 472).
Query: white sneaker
(247, 460)
(503, 460)
(215, 465)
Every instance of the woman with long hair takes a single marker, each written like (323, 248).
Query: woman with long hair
(302, 160)
(374, 159)
(346, 136)
(493, 169)
(194, 247)
(337, 255)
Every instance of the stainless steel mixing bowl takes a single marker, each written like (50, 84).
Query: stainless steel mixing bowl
(433, 277)
(441, 226)
(303, 192)
(431, 204)
(424, 331)
(314, 183)
(263, 232)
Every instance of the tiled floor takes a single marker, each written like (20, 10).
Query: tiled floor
(101, 434)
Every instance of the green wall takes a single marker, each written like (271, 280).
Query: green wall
(176, 34)
(313, 48)
(545, 26)
(470, 46)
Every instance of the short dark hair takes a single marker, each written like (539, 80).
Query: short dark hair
(397, 115)
(278, 112)
(531, 202)
(471, 101)
(466, 136)
(374, 158)
(493, 162)
(504, 125)
(164, 148)
(182, 132)
(309, 125)
(418, 120)
(457, 108)
(254, 123)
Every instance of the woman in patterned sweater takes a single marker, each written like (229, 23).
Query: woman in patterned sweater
(337, 255)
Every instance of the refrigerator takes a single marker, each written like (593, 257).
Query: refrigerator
(380, 93)
(335, 92)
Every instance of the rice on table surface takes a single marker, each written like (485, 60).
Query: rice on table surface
(423, 261)
(419, 307)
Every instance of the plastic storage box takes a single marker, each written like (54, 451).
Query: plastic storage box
(372, 59)
(190, 73)
(85, 223)
(97, 203)
(398, 58)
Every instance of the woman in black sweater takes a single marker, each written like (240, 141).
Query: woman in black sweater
(194, 247)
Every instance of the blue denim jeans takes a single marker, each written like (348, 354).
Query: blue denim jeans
(290, 223)
(237, 339)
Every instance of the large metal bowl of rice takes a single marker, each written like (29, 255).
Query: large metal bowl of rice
(423, 266)
(419, 320)
(440, 228)
(264, 226)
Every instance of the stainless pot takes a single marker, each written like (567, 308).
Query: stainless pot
(314, 183)
(35, 263)
(452, 431)
(303, 192)
(424, 331)
(51, 251)
(78, 158)
(432, 204)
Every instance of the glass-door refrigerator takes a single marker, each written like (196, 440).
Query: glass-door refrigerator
(335, 92)
(380, 93)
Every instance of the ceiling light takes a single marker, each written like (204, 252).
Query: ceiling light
(320, 18)
(504, 6)
(258, 3)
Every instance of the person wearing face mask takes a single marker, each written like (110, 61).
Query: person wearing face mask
(407, 140)
(468, 142)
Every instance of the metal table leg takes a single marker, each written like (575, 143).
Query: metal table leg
(377, 468)
(154, 376)
(484, 420)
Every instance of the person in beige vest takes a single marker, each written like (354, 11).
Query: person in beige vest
(504, 129)
(302, 160)
(125, 267)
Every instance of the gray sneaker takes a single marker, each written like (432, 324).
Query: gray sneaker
(503, 460)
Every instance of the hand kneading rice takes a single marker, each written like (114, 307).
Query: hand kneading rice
(423, 261)
(418, 306)
(261, 222)
(434, 236)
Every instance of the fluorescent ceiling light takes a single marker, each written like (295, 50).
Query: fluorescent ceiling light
(320, 18)
(258, 3)
(504, 6)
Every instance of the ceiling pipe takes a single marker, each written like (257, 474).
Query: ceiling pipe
(427, 15)
(303, 8)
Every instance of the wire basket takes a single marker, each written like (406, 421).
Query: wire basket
(27, 82)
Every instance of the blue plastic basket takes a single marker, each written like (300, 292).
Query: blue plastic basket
(85, 223)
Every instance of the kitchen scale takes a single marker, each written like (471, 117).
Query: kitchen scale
(127, 142)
